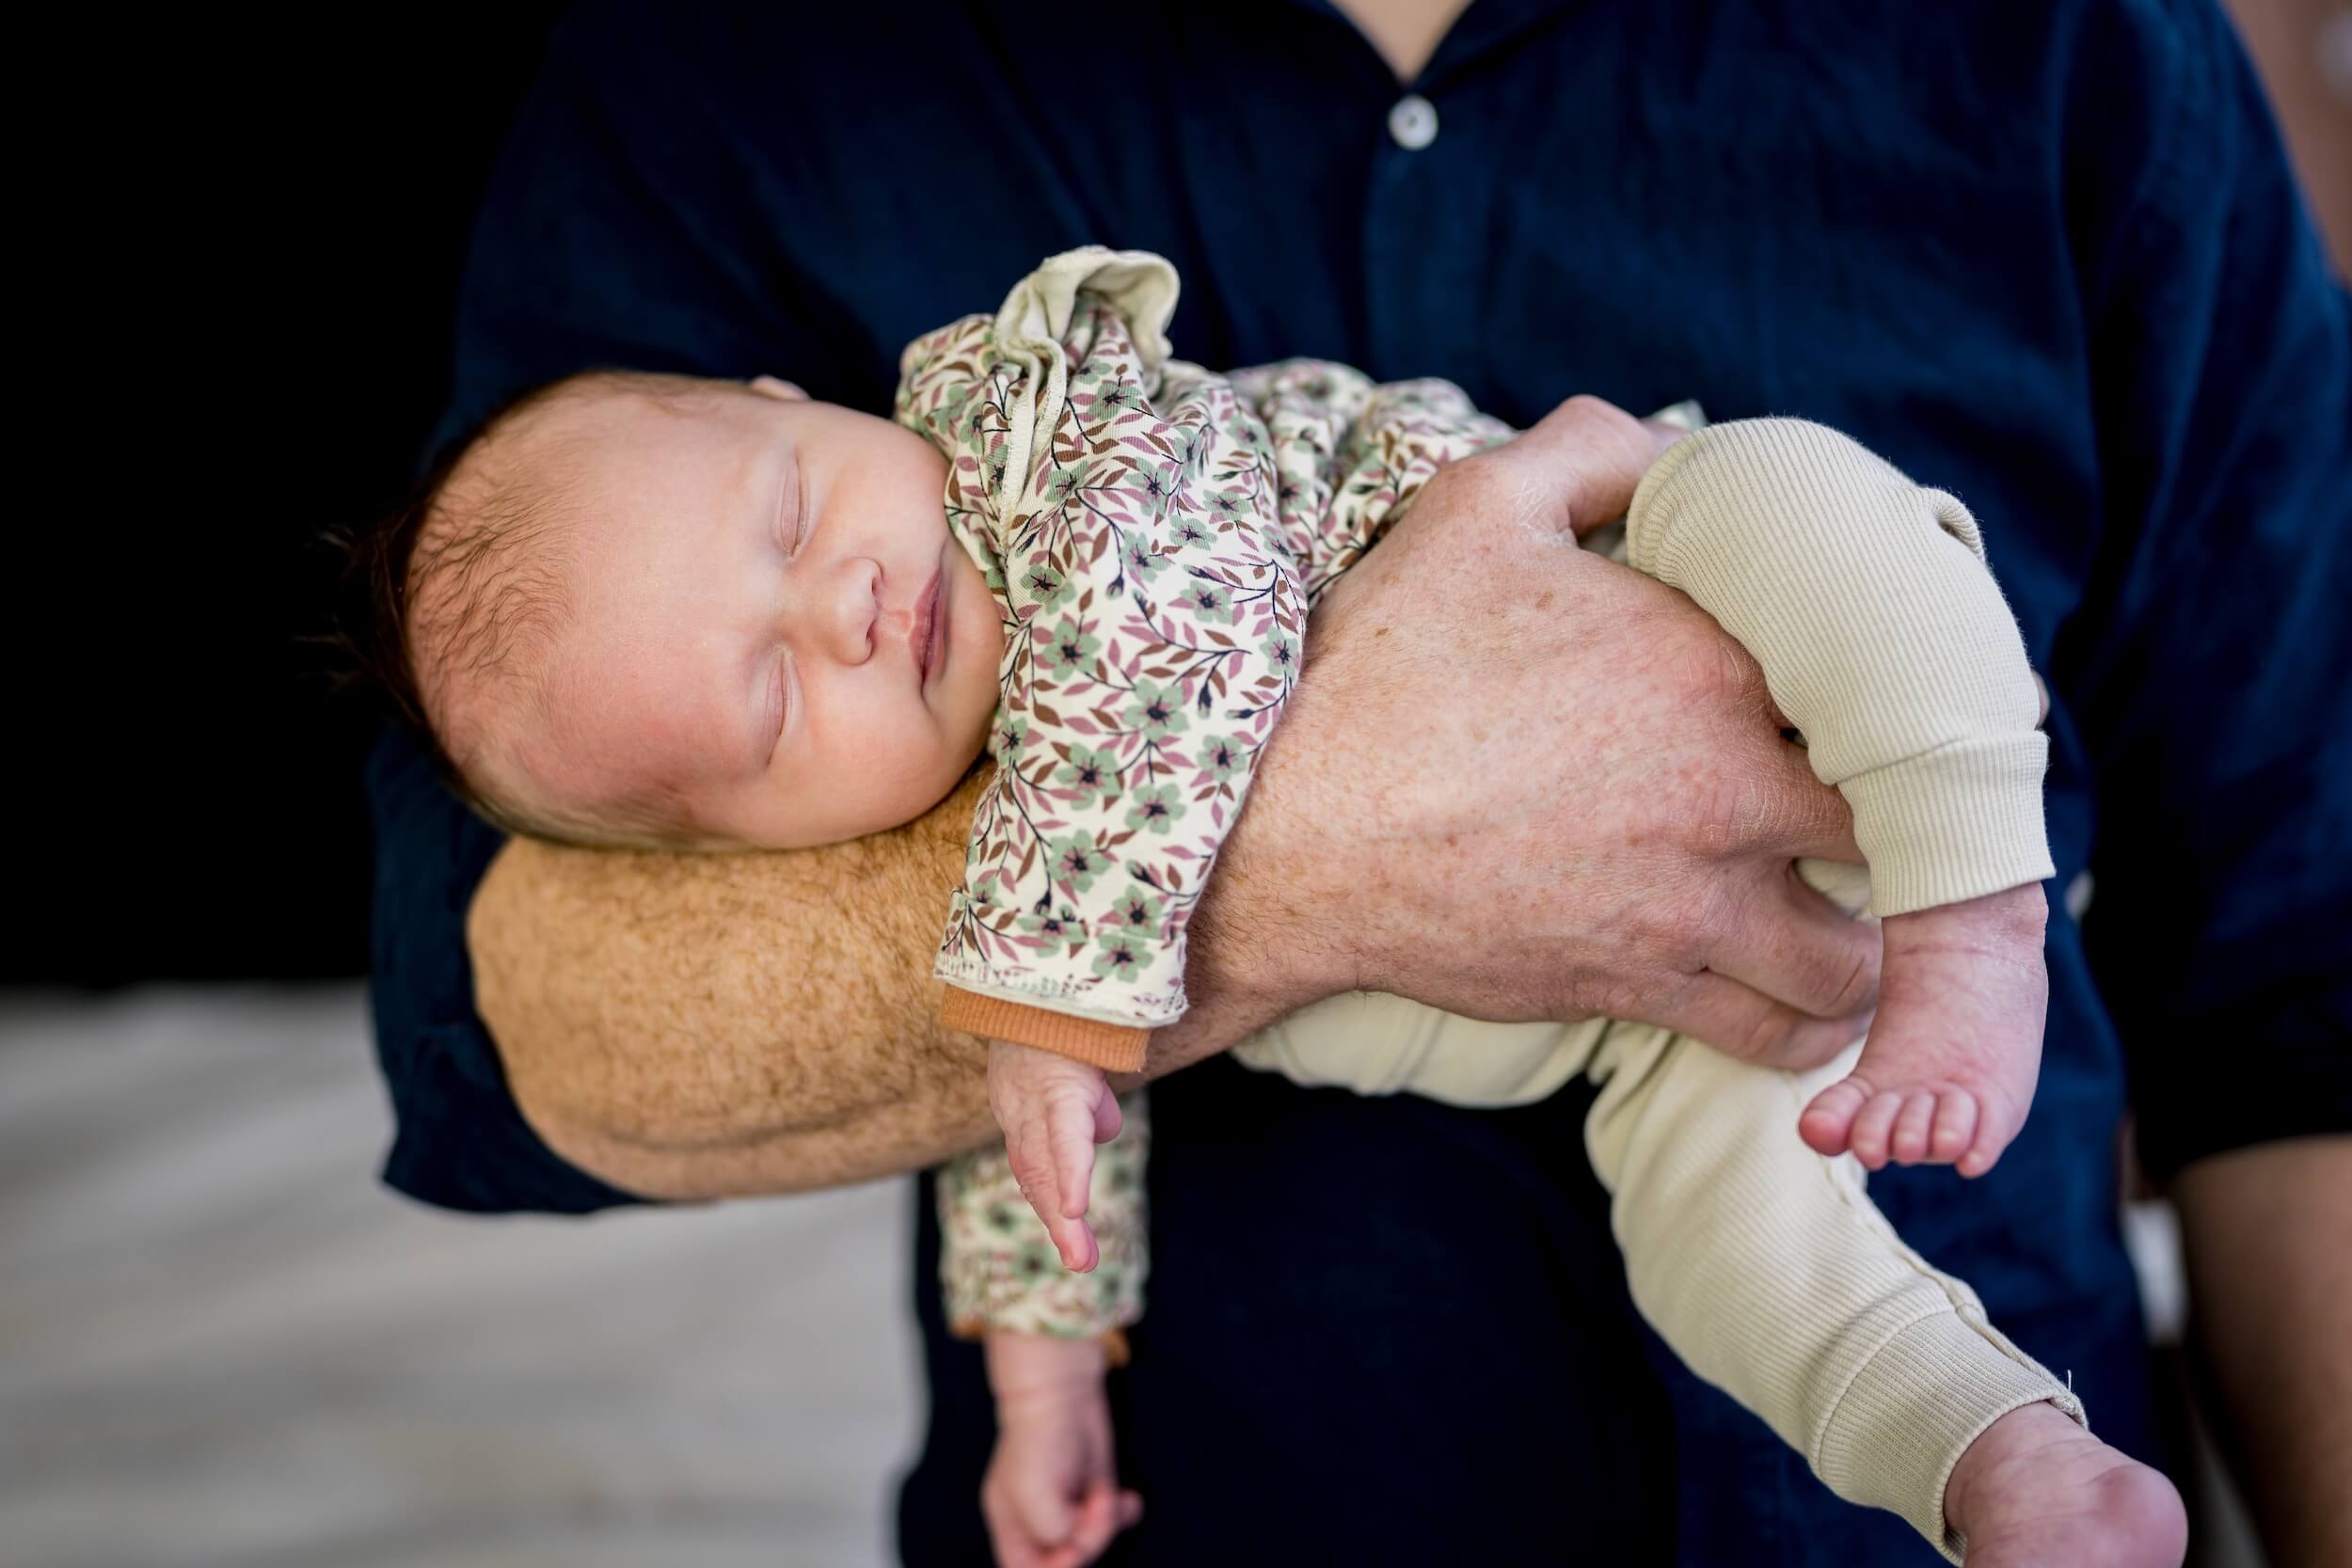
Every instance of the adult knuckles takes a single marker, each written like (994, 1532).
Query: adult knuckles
(1476, 487)
(1584, 419)
(1763, 1034)
(1707, 671)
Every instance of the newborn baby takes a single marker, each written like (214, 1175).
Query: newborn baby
(684, 615)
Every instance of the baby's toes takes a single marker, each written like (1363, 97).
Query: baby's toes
(1993, 1131)
(1913, 1123)
(1955, 1126)
(1827, 1123)
(1873, 1129)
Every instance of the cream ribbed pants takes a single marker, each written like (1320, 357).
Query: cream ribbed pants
(1764, 1265)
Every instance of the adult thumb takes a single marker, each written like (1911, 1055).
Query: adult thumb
(1580, 464)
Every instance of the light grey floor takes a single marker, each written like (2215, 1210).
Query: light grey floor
(222, 1344)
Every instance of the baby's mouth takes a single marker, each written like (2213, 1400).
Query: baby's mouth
(930, 627)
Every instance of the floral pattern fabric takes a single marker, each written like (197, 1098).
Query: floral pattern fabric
(1154, 571)
(1154, 568)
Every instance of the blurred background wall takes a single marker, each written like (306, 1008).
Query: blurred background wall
(256, 228)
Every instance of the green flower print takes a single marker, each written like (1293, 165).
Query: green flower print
(1138, 909)
(1089, 773)
(1057, 925)
(1143, 560)
(1157, 480)
(1224, 758)
(1045, 585)
(1158, 808)
(1066, 482)
(1077, 861)
(1122, 956)
(1157, 711)
(1211, 603)
(1007, 739)
(1281, 650)
(1066, 646)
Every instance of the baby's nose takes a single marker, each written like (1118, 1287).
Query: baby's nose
(851, 607)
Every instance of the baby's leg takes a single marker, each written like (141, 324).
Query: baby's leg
(1773, 1276)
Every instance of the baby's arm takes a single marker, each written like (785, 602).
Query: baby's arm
(1051, 1495)
(1884, 639)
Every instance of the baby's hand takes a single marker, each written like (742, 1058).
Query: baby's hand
(1051, 1497)
(1949, 1069)
(1053, 1111)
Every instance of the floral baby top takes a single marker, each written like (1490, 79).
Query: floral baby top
(1155, 534)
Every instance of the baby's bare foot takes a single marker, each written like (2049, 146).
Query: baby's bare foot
(2036, 1491)
(1949, 1069)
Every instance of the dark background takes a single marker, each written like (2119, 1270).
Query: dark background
(245, 238)
(256, 239)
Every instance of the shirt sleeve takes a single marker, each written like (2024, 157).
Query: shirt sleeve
(460, 1141)
(2210, 669)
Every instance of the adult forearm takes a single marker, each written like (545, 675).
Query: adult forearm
(2271, 1283)
(708, 1026)
(698, 1026)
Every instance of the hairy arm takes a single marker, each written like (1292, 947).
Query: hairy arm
(707, 1026)
(691, 1026)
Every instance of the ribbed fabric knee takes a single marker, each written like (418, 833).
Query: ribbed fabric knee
(1770, 1272)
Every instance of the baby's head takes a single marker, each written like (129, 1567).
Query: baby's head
(654, 611)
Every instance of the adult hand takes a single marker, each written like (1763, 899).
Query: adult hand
(1519, 781)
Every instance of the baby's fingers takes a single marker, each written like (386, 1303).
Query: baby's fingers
(1012, 1532)
(1034, 1170)
(1107, 1119)
(1074, 1239)
(1070, 1125)
(1099, 1519)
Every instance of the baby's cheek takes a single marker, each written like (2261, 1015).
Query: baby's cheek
(929, 760)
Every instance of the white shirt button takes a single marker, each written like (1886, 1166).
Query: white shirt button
(1413, 122)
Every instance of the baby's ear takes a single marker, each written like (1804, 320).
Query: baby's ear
(783, 391)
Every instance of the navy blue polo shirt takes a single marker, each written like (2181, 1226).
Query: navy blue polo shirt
(2048, 257)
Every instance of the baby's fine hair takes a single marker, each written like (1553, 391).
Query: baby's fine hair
(464, 586)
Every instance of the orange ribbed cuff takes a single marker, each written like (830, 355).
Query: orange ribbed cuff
(1117, 1352)
(1112, 1047)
